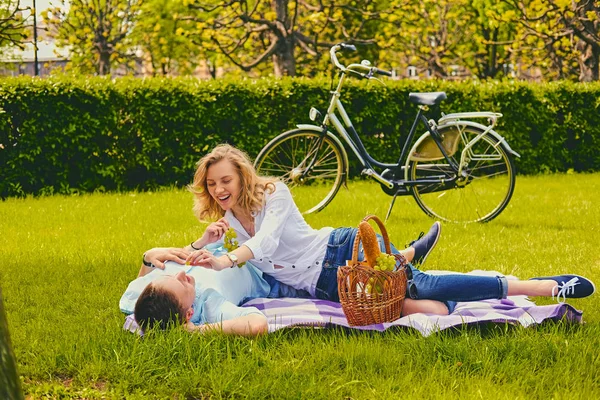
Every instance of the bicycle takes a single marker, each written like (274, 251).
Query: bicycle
(459, 170)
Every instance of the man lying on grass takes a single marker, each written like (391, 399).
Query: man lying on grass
(168, 292)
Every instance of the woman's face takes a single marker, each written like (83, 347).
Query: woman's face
(223, 184)
(181, 285)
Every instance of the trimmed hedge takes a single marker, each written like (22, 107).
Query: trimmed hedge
(63, 135)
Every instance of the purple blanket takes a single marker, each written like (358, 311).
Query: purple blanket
(288, 312)
(516, 310)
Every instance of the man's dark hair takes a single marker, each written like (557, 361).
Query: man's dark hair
(157, 306)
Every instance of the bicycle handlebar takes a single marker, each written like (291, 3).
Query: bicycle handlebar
(345, 46)
(353, 67)
(382, 72)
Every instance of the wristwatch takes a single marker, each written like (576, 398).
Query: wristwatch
(233, 259)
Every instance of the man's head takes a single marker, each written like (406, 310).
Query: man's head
(169, 299)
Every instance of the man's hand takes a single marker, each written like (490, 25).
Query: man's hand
(206, 259)
(190, 327)
(158, 255)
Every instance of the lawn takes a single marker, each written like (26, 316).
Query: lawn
(67, 260)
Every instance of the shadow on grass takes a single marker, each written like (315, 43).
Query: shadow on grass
(483, 330)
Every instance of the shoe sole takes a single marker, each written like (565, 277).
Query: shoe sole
(434, 243)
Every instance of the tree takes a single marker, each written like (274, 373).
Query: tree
(495, 31)
(564, 27)
(96, 31)
(13, 31)
(436, 34)
(250, 33)
(164, 37)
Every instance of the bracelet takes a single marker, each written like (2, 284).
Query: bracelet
(146, 263)
(192, 246)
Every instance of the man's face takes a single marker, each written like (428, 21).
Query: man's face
(181, 285)
(223, 184)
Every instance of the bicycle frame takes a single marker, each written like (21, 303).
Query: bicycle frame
(454, 155)
(350, 135)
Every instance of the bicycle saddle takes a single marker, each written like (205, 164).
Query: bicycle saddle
(428, 98)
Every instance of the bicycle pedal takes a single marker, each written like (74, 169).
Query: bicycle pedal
(367, 171)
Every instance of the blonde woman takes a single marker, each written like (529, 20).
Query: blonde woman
(274, 236)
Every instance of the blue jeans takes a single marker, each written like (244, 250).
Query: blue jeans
(445, 288)
(279, 290)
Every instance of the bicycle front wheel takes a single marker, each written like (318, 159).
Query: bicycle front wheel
(312, 165)
(483, 191)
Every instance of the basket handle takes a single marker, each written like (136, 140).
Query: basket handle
(384, 234)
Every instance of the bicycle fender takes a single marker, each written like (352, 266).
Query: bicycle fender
(472, 124)
(310, 127)
(413, 150)
(482, 127)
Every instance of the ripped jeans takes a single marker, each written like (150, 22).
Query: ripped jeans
(448, 289)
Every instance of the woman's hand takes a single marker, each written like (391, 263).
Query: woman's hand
(213, 232)
(158, 255)
(204, 258)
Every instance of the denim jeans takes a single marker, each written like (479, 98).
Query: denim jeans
(279, 289)
(445, 288)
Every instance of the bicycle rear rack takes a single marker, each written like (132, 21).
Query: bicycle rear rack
(491, 116)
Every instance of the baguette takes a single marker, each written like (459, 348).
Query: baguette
(369, 242)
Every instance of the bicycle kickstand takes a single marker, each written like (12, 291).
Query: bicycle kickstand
(391, 206)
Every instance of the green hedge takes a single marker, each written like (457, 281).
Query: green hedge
(64, 135)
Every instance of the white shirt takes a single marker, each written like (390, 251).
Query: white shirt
(284, 245)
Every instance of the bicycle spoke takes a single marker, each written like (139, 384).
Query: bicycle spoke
(290, 157)
(281, 166)
(479, 194)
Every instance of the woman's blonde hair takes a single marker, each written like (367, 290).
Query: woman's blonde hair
(252, 189)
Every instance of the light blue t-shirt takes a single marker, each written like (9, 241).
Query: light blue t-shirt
(218, 293)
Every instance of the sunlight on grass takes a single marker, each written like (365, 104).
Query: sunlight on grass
(67, 260)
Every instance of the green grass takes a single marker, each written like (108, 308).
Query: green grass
(67, 260)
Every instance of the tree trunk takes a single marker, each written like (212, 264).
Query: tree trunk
(492, 67)
(10, 386)
(284, 61)
(212, 68)
(104, 62)
(589, 62)
(488, 67)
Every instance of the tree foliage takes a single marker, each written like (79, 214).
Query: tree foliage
(13, 31)
(286, 33)
(567, 31)
(97, 32)
(440, 38)
(162, 33)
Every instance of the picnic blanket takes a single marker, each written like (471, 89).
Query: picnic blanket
(289, 312)
(516, 310)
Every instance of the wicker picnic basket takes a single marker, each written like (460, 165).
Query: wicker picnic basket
(369, 296)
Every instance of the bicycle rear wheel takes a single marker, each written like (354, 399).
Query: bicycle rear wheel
(480, 195)
(288, 157)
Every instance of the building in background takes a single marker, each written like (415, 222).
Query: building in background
(14, 61)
